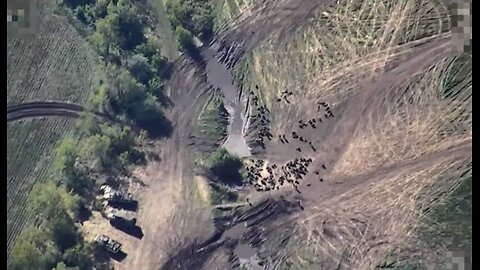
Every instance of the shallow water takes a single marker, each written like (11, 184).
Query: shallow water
(219, 76)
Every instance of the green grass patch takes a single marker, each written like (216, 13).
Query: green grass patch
(213, 119)
(450, 223)
(220, 195)
(459, 71)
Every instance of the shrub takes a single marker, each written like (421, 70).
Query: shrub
(228, 168)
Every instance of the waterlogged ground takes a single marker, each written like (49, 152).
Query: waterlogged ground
(219, 77)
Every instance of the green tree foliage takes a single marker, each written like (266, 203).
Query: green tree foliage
(132, 98)
(54, 207)
(147, 49)
(99, 10)
(124, 90)
(60, 266)
(85, 256)
(194, 15)
(66, 154)
(140, 68)
(33, 250)
(122, 27)
(82, 15)
(227, 167)
(95, 151)
(88, 124)
(150, 117)
(185, 39)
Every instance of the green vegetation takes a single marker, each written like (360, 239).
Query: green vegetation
(56, 240)
(450, 223)
(57, 203)
(220, 194)
(136, 69)
(196, 16)
(54, 64)
(213, 119)
(185, 39)
(227, 167)
(121, 28)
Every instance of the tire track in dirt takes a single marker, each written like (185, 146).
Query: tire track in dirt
(263, 22)
(167, 213)
(48, 109)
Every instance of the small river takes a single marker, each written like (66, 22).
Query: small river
(219, 77)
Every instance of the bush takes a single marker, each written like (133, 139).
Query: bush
(150, 117)
(194, 15)
(120, 28)
(185, 39)
(140, 69)
(228, 168)
(33, 250)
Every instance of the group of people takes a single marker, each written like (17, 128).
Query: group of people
(264, 121)
(284, 95)
(275, 177)
(328, 111)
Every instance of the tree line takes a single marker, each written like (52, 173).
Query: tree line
(133, 92)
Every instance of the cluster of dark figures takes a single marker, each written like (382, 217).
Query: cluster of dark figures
(264, 121)
(328, 111)
(284, 95)
(293, 172)
(283, 139)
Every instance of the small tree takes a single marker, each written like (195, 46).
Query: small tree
(33, 250)
(185, 39)
(228, 168)
(140, 68)
(54, 208)
(66, 154)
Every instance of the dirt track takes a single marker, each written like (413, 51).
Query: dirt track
(46, 109)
